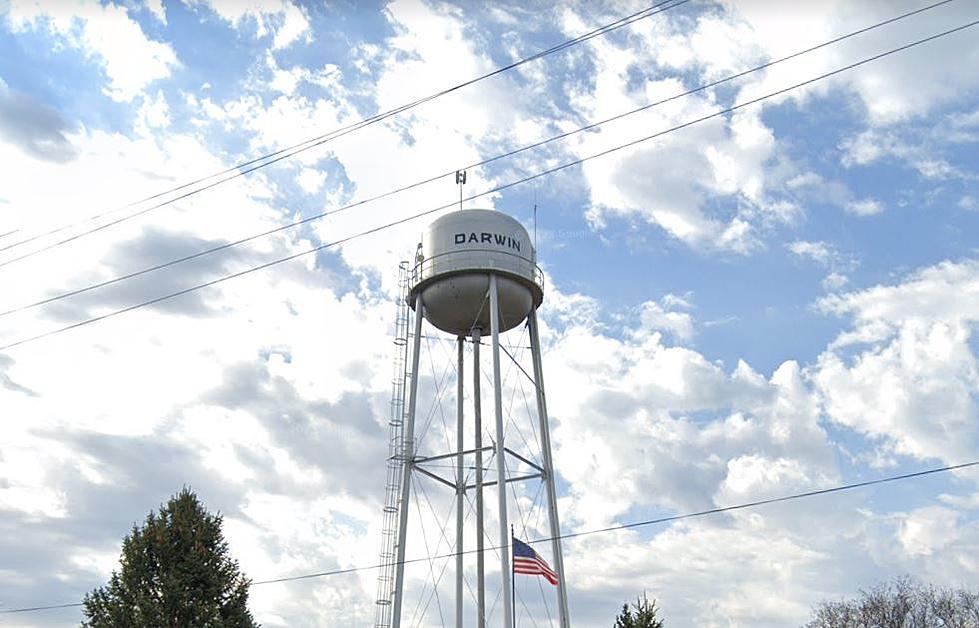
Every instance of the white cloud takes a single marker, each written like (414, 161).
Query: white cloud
(287, 20)
(654, 316)
(820, 252)
(968, 502)
(642, 427)
(828, 257)
(928, 529)
(751, 476)
(295, 24)
(906, 374)
(28, 485)
(437, 137)
(154, 113)
(678, 301)
(865, 148)
(834, 281)
(157, 9)
(431, 47)
(310, 179)
(898, 88)
(814, 188)
(669, 181)
(865, 207)
(717, 186)
(622, 408)
(626, 439)
(968, 120)
(238, 392)
(130, 59)
(873, 145)
(285, 81)
(714, 186)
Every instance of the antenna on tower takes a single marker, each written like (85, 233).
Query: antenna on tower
(460, 181)
(535, 222)
(535, 230)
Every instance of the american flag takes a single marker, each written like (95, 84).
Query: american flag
(527, 562)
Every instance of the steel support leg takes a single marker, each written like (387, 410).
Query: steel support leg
(408, 451)
(480, 536)
(460, 480)
(506, 574)
(545, 433)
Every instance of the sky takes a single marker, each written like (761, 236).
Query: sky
(776, 299)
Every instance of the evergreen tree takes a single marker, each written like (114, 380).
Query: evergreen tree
(174, 572)
(641, 615)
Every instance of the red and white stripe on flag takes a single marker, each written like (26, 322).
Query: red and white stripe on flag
(527, 562)
(534, 567)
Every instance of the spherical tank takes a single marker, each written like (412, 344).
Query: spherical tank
(451, 274)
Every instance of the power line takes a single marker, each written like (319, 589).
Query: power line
(649, 522)
(484, 162)
(268, 159)
(498, 188)
(31, 609)
(571, 535)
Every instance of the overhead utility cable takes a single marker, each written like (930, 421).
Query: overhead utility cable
(478, 164)
(615, 528)
(266, 160)
(498, 188)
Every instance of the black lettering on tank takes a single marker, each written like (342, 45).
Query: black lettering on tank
(485, 237)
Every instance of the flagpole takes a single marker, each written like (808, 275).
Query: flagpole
(513, 579)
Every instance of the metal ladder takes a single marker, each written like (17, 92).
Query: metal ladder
(395, 461)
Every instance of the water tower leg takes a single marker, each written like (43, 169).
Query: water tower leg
(480, 536)
(460, 480)
(500, 460)
(408, 450)
(535, 352)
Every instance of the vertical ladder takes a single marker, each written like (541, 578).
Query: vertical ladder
(395, 461)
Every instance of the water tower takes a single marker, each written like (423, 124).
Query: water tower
(474, 274)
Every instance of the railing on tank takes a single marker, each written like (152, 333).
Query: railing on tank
(447, 262)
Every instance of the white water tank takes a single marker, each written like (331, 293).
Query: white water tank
(457, 255)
